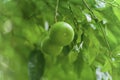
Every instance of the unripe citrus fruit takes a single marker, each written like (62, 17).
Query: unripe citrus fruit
(50, 48)
(61, 33)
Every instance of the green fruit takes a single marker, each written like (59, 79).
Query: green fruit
(61, 33)
(50, 48)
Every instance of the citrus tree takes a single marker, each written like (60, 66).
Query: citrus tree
(59, 39)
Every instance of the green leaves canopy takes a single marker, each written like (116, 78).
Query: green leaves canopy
(96, 23)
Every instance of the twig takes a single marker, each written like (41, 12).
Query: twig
(56, 10)
(89, 9)
(103, 31)
(72, 14)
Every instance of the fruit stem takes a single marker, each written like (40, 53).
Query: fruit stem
(56, 10)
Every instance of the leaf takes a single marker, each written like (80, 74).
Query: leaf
(113, 27)
(116, 57)
(87, 73)
(82, 69)
(117, 12)
(36, 65)
(111, 37)
(78, 65)
(91, 46)
(107, 66)
(116, 51)
(72, 56)
(79, 33)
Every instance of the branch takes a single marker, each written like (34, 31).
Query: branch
(104, 35)
(89, 9)
(72, 14)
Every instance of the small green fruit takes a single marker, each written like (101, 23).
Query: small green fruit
(61, 33)
(50, 48)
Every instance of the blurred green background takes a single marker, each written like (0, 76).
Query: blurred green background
(94, 53)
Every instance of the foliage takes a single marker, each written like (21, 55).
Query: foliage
(95, 48)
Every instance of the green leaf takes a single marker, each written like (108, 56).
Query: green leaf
(111, 37)
(78, 64)
(107, 66)
(117, 12)
(72, 56)
(87, 73)
(36, 65)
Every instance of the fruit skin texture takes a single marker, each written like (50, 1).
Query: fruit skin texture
(61, 33)
(50, 48)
